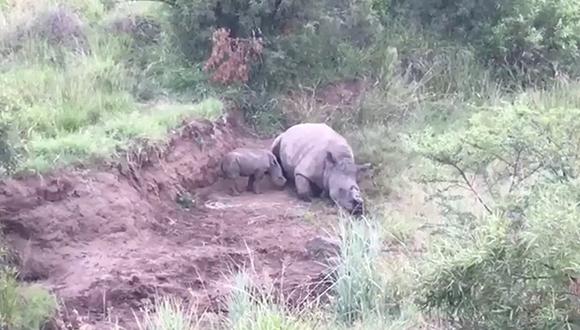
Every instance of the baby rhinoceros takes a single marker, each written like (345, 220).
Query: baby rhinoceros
(252, 163)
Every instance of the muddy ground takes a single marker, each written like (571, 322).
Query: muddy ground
(107, 239)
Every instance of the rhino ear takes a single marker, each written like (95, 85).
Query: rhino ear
(330, 158)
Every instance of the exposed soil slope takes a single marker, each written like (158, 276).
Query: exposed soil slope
(107, 239)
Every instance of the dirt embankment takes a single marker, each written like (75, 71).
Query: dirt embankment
(107, 239)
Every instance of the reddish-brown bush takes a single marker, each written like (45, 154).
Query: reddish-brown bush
(231, 58)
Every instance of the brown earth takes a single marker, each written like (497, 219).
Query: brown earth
(107, 239)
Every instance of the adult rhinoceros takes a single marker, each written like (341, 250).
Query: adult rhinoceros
(319, 160)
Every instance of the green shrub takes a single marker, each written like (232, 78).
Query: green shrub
(301, 40)
(196, 20)
(23, 307)
(531, 39)
(502, 275)
(510, 263)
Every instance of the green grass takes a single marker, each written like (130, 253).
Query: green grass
(64, 107)
(23, 307)
(359, 286)
(169, 313)
(115, 132)
(249, 308)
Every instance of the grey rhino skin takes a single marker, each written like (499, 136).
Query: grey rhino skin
(320, 160)
(252, 163)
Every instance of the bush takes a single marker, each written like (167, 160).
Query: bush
(531, 39)
(231, 58)
(505, 276)
(23, 307)
(300, 39)
(195, 20)
(514, 262)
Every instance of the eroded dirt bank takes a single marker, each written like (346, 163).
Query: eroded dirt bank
(106, 240)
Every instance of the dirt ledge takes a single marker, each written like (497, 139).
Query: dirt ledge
(106, 239)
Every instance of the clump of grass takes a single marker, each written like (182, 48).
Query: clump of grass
(23, 307)
(169, 313)
(251, 309)
(358, 288)
(408, 319)
(372, 290)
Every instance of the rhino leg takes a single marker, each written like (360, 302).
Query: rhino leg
(254, 181)
(316, 191)
(233, 187)
(303, 188)
(251, 183)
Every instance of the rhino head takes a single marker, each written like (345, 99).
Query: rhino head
(340, 178)
(275, 172)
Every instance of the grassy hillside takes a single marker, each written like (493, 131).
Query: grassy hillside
(470, 109)
(74, 82)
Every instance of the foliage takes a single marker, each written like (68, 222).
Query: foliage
(361, 288)
(169, 313)
(250, 308)
(511, 148)
(23, 307)
(514, 264)
(63, 106)
(195, 20)
(231, 57)
(8, 155)
(532, 39)
(502, 275)
(300, 39)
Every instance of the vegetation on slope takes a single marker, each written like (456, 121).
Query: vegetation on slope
(72, 87)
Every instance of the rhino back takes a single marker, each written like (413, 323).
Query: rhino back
(304, 147)
(252, 160)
